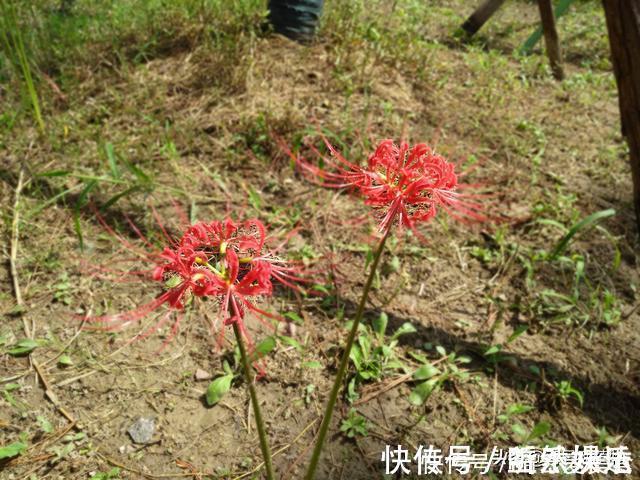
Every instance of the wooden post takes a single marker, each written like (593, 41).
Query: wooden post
(623, 23)
(481, 15)
(551, 41)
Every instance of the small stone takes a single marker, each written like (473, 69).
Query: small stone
(142, 430)
(126, 449)
(202, 375)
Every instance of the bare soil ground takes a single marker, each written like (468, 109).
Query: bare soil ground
(205, 133)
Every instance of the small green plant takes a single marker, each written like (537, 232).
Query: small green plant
(70, 443)
(534, 436)
(355, 425)
(514, 410)
(494, 353)
(9, 398)
(577, 300)
(219, 386)
(62, 289)
(374, 355)
(12, 450)
(508, 419)
(121, 178)
(429, 378)
(605, 439)
(24, 347)
(566, 391)
(44, 424)
(550, 307)
(112, 474)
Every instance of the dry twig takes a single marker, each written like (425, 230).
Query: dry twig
(13, 255)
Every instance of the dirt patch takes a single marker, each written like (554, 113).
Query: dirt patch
(550, 152)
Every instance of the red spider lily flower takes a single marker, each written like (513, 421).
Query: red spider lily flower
(406, 185)
(224, 260)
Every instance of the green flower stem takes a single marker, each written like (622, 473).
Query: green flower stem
(248, 375)
(344, 362)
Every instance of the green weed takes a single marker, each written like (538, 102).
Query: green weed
(14, 48)
(374, 355)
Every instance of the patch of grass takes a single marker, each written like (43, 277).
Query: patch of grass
(14, 49)
(373, 356)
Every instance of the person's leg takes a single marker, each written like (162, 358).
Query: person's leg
(295, 18)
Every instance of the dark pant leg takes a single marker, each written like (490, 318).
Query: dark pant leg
(295, 18)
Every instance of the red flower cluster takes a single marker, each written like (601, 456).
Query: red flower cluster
(222, 259)
(406, 184)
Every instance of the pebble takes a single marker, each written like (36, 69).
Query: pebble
(142, 430)
(202, 375)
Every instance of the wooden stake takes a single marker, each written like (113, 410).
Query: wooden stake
(623, 23)
(480, 16)
(551, 40)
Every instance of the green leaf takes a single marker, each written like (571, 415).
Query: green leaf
(492, 350)
(227, 368)
(355, 355)
(541, 428)
(65, 361)
(45, 424)
(553, 223)
(217, 389)
(142, 177)
(118, 196)
(421, 393)
(535, 370)
(464, 359)
(53, 199)
(112, 474)
(380, 324)
(294, 317)
(441, 351)
(312, 364)
(425, 372)
(519, 430)
(111, 158)
(23, 347)
(81, 203)
(368, 258)
(12, 450)
(419, 357)
(365, 345)
(77, 227)
(265, 347)
(395, 264)
(579, 396)
(54, 173)
(84, 194)
(74, 437)
(518, 409)
(404, 329)
(583, 224)
(321, 289)
(254, 199)
(516, 333)
(292, 342)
